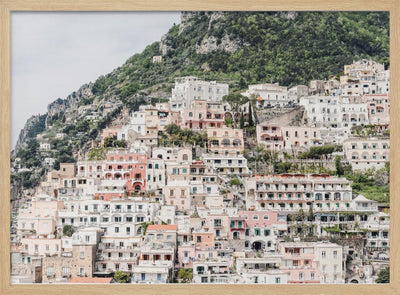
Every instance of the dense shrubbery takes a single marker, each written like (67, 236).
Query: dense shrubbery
(176, 136)
(319, 152)
(384, 276)
(115, 143)
(372, 184)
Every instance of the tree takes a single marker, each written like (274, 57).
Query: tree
(241, 123)
(145, 225)
(251, 122)
(172, 129)
(121, 277)
(338, 166)
(235, 182)
(68, 230)
(185, 275)
(235, 100)
(383, 276)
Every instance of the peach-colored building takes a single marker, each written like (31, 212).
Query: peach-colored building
(177, 193)
(41, 217)
(301, 137)
(203, 240)
(78, 263)
(278, 138)
(225, 141)
(41, 246)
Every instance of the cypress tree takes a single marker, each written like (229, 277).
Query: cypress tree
(241, 123)
(251, 122)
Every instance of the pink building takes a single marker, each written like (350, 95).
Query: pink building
(128, 166)
(298, 259)
(110, 132)
(378, 108)
(202, 115)
(186, 255)
(261, 228)
(270, 136)
(312, 262)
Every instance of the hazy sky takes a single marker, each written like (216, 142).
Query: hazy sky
(54, 53)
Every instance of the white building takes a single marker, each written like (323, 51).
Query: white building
(227, 164)
(366, 152)
(188, 89)
(269, 95)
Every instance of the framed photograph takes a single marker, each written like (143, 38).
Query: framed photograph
(199, 147)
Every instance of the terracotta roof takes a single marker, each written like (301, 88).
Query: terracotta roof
(162, 227)
(89, 280)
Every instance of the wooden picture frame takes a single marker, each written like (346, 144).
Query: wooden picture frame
(7, 6)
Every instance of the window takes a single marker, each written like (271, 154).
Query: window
(65, 271)
(265, 217)
(335, 254)
(277, 280)
(116, 230)
(50, 270)
(323, 254)
(198, 239)
(312, 276)
(255, 217)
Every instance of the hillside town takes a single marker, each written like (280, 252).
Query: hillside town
(216, 187)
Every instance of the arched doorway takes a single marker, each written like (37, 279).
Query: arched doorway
(258, 245)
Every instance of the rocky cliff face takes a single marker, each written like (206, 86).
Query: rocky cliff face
(225, 44)
(24, 132)
(72, 100)
(210, 42)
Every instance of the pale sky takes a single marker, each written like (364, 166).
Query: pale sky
(54, 53)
